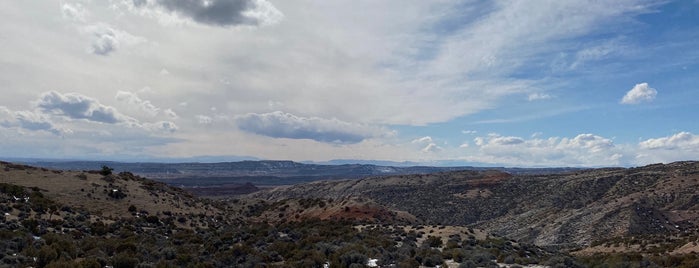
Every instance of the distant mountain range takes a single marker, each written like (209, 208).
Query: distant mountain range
(265, 172)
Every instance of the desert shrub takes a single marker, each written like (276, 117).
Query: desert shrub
(468, 264)
(562, 261)
(352, 257)
(99, 228)
(432, 260)
(116, 194)
(106, 171)
(408, 263)
(434, 241)
(482, 258)
(152, 219)
(12, 189)
(126, 247)
(61, 264)
(45, 255)
(124, 261)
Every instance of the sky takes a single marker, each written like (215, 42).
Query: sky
(506, 83)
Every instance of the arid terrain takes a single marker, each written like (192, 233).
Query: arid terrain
(636, 217)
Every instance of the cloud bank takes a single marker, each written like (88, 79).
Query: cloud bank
(581, 150)
(682, 140)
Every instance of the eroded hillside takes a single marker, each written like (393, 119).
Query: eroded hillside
(571, 210)
(53, 218)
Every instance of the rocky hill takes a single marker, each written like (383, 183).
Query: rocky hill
(53, 218)
(639, 217)
(570, 210)
(104, 194)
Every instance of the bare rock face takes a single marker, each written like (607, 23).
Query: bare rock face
(570, 210)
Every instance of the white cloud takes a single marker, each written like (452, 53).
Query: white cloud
(538, 96)
(285, 125)
(639, 93)
(204, 120)
(469, 132)
(133, 99)
(425, 139)
(680, 141)
(74, 11)
(33, 121)
(581, 150)
(499, 140)
(591, 142)
(105, 39)
(596, 52)
(77, 106)
(136, 103)
(74, 106)
(427, 145)
(680, 146)
(431, 148)
(170, 113)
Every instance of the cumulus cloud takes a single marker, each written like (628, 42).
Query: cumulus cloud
(223, 13)
(428, 145)
(680, 146)
(682, 140)
(74, 11)
(499, 140)
(583, 149)
(285, 125)
(431, 148)
(589, 141)
(639, 93)
(170, 113)
(77, 106)
(133, 99)
(105, 39)
(28, 120)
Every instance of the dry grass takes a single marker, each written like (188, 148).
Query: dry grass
(90, 191)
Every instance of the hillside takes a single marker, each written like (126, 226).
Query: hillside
(109, 195)
(53, 218)
(615, 217)
(569, 210)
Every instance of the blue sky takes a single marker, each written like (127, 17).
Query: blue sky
(514, 83)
